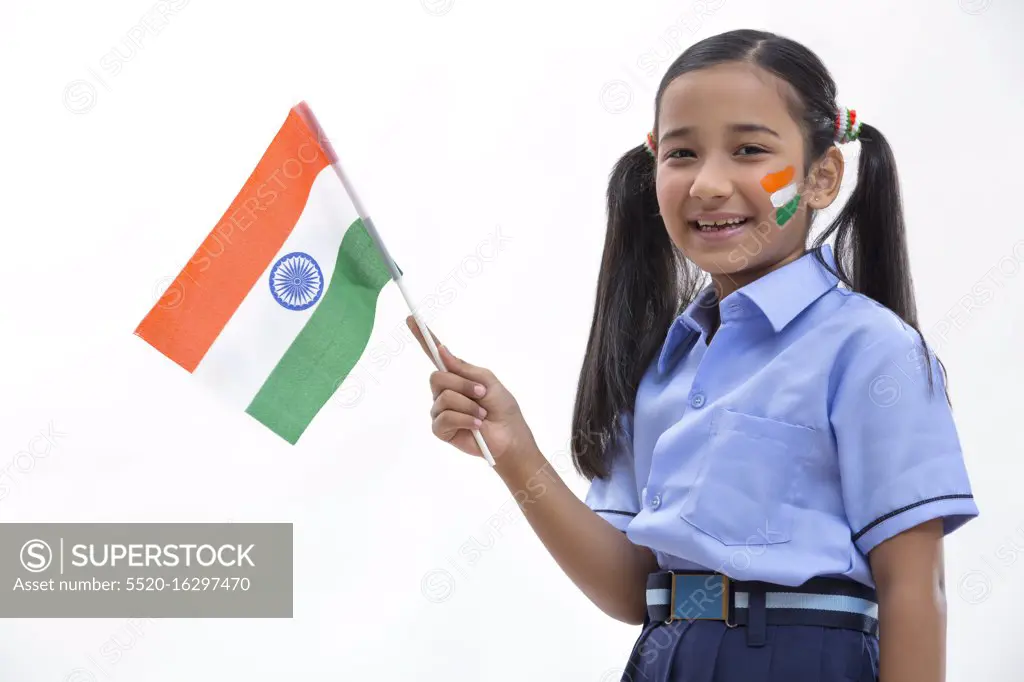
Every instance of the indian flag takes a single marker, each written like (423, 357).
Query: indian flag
(784, 193)
(276, 306)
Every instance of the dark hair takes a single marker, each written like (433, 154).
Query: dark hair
(645, 282)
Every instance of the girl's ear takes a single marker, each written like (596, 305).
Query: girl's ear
(824, 179)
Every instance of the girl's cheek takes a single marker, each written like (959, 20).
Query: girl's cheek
(673, 189)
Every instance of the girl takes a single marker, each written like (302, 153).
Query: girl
(772, 456)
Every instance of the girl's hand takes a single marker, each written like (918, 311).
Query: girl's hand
(458, 405)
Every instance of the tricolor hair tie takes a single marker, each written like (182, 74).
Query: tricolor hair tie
(650, 145)
(847, 127)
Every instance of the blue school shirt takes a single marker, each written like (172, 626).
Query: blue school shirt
(803, 436)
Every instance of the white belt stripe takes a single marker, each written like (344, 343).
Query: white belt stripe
(658, 597)
(818, 602)
(788, 600)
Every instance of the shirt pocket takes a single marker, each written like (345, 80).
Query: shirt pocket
(749, 479)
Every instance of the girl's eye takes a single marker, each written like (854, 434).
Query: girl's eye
(751, 150)
(680, 153)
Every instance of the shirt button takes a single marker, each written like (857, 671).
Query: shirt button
(656, 502)
(697, 400)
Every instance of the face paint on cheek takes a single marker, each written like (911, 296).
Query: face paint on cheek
(784, 194)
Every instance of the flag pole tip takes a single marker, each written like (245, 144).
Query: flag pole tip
(304, 112)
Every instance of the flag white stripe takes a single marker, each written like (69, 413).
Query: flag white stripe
(784, 195)
(261, 330)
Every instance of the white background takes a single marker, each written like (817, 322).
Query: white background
(459, 121)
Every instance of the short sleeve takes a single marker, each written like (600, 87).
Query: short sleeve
(900, 458)
(615, 498)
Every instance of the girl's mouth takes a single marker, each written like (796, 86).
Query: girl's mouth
(719, 228)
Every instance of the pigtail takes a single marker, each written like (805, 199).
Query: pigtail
(871, 241)
(870, 228)
(638, 295)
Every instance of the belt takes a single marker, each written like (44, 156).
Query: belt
(825, 602)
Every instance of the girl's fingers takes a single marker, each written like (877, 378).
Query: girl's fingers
(456, 402)
(465, 369)
(448, 423)
(442, 381)
(451, 362)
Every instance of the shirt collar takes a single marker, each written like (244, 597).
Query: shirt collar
(687, 328)
(780, 296)
(783, 294)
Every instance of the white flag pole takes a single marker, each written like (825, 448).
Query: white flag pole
(396, 274)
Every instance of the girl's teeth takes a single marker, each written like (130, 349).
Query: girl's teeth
(717, 225)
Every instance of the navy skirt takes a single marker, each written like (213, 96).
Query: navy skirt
(710, 651)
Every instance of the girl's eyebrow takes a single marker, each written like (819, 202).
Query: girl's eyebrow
(684, 131)
(752, 128)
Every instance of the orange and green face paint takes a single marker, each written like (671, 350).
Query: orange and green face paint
(784, 193)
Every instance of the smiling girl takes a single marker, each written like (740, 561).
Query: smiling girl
(772, 454)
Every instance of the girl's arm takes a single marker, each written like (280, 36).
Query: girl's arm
(910, 580)
(597, 557)
(604, 564)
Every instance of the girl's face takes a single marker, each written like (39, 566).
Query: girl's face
(728, 147)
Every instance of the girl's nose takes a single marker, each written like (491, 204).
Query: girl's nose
(712, 182)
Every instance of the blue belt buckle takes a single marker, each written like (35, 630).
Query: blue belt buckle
(699, 596)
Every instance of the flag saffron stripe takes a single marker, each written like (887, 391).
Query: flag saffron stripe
(773, 182)
(329, 345)
(198, 304)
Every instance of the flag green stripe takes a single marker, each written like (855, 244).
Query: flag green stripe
(330, 343)
(788, 211)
